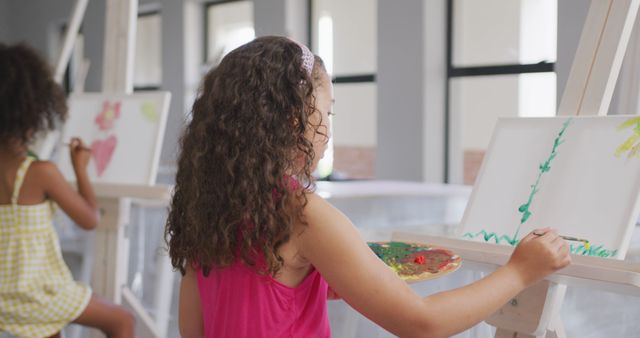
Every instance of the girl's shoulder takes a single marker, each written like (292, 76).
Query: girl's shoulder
(35, 169)
(43, 168)
(318, 208)
(313, 201)
(43, 173)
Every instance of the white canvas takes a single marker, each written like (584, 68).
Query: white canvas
(124, 132)
(589, 191)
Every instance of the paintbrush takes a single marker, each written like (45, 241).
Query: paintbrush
(80, 147)
(587, 245)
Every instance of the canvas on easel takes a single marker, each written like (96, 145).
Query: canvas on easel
(124, 133)
(578, 175)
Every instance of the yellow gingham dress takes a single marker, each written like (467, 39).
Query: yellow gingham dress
(38, 295)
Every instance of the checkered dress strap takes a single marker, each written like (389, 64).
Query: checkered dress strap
(22, 171)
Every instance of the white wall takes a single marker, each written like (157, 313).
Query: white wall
(225, 19)
(538, 18)
(401, 63)
(354, 52)
(147, 66)
(297, 20)
(4, 21)
(478, 103)
(626, 97)
(270, 17)
(173, 76)
(38, 23)
(486, 32)
(434, 75)
(355, 45)
(571, 17)
(355, 121)
(193, 51)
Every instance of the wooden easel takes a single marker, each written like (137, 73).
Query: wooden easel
(595, 69)
(111, 251)
(109, 275)
(593, 272)
(593, 76)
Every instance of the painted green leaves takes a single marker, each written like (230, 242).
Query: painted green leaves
(544, 168)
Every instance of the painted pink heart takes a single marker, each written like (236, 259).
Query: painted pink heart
(102, 151)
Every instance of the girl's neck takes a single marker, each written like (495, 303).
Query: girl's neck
(12, 150)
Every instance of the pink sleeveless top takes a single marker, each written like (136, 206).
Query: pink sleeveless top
(237, 302)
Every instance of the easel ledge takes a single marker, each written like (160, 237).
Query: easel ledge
(158, 192)
(594, 272)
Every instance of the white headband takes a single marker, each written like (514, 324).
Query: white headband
(308, 58)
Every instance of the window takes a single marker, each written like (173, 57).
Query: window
(147, 70)
(229, 24)
(501, 57)
(344, 35)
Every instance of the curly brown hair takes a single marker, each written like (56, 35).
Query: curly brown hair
(234, 197)
(30, 100)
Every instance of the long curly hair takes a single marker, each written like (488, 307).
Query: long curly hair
(243, 153)
(30, 100)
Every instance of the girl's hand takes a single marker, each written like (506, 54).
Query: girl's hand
(332, 244)
(80, 154)
(537, 256)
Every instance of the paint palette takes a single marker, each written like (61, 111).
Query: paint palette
(416, 262)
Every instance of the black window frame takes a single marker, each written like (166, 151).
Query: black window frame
(335, 79)
(340, 79)
(467, 71)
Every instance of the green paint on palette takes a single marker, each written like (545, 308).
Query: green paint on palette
(393, 250)
(544, 167)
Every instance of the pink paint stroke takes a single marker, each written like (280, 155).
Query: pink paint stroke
(102, 151)
(109, 114)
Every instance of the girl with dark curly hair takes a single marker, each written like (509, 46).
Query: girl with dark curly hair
(258, 249)
(38, 296)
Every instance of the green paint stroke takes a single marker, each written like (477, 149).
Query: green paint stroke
(544, 167)
(579, 249)
(632, 145)
(492, 236)
(596, 251)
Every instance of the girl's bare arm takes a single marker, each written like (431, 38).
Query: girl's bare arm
(82, 211)
(333, 245)
(190, 312)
